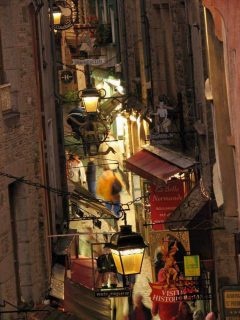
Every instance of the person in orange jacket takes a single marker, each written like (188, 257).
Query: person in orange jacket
(109, 187)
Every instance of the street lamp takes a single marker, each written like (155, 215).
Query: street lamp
(90, 99)
(63, 14)
(127, 249)
(57, 13)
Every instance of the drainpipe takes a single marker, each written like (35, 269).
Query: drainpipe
(141, 52)
(148, 45)
(59, 116)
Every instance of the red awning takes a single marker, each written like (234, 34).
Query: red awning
(151, 167)
(158, 163)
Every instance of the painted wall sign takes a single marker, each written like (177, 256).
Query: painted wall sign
(164, 199)
(191, 266)
(231, 302)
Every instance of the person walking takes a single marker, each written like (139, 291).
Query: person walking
(91, 176)
(184, 312)
(76, 171)
(140, 311)
(211, 316)
(198, 315)
(109, 187)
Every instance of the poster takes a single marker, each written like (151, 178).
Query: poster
(171, 286)
(164, 199)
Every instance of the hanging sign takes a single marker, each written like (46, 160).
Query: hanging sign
(66, 76)
(191, 266)
(163, 200)
(118, 292)
(92, 62)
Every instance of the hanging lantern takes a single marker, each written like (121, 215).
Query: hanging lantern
(57, 14)
(127, 249)
(90, 99)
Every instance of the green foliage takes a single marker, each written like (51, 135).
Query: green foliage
(71, 96)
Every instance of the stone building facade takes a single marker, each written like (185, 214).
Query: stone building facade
(182, 44)
(222, 25)
(29, 150)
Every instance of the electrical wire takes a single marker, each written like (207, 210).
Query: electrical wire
(59, 192)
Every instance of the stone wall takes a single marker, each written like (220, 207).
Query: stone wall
(24, 152)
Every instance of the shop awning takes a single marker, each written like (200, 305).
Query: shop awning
(85, 199)
(156, 164)
(187, 210)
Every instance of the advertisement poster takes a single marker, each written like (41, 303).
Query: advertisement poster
(165, 199)
(171, 286)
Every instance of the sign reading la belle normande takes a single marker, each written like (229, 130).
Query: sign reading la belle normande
(164, 200)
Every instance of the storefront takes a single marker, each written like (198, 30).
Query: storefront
(176, 215)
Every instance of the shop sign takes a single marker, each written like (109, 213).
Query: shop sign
(231, 302)
(163, 200)
(191, 266)
(113, 293)
(92, 62)
(189, 291)
(66, 76)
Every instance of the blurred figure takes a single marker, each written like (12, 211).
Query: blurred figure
(210, 316)
(140, 311)
(184, 312)
(91, 176)
(75, 169)
(198, 315)
(109, 187)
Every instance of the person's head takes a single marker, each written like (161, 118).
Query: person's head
(106, 248)
(184, 308)
(138, 300)
(198, 315)
(106, 167)
(210, 316)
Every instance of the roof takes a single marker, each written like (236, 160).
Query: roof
(177, 158)
(156, 164)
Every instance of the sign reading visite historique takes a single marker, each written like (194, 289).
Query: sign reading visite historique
(165, 199)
